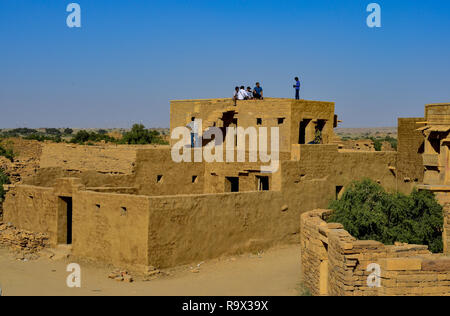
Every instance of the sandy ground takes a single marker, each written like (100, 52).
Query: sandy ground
(275, 272)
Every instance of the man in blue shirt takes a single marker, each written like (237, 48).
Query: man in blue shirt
(258, 92)
(297, 88)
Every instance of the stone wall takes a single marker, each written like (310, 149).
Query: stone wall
(335, 263)
(410, 149)
(444, 199)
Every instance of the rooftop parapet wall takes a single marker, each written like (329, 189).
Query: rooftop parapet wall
(102, 159)
(410, 150)
(286, 114)
(335, 263)
(437, 113)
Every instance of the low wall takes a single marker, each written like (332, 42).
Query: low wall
(335, 263)
(32, 208)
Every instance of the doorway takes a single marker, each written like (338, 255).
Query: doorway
(65, 220)
(302, 131)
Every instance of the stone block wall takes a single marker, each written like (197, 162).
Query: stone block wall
(335, 263)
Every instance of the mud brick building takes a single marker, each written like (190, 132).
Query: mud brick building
(134, 206)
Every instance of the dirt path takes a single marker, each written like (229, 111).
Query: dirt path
(276, 272)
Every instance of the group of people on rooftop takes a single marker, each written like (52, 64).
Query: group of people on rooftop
(240, 93)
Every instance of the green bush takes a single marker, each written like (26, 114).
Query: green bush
(368, 212)
(7, 153)
(42, 137)
(83, 137)
(141, 136)
(3, 180)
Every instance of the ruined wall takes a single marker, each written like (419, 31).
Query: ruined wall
(158, 174)
(410, 149)
(186, 229)
(111, 228)
(335, 263)
(304, 109)
(97, 166)
(270, 112)
(338, 168)
(103, 159)
(32, 208)
(216, 174)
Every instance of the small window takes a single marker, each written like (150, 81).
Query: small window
(231, 184)
(159, 178)
(262, 183)
(194, 179)
(97, 206)
(339, 191)
(281, 120)
(123, 211)
(259, 121)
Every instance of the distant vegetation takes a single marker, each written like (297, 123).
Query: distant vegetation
(368, 212)
(377, 140)
(138, 135)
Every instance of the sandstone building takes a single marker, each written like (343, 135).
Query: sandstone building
(134, 206)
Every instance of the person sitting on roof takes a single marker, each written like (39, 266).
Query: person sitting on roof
(258, 92)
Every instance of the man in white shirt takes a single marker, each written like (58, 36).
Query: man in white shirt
(242, 94)
(194, 126)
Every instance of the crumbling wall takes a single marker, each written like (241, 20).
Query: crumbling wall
(339, 168)
(103, 159)
(32, 208)
(410, 149)
(335, 263)
(157, 174)
(305, 109)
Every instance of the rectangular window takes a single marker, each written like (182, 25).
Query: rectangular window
(159, 178)
(231, 184)
(262, 183)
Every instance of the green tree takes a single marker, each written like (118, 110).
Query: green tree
(141, 136)
(368, 212)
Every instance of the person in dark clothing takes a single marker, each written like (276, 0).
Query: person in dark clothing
(297, 88)
(258, 92)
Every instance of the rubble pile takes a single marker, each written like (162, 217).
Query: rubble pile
(121, 276)
(21, 241)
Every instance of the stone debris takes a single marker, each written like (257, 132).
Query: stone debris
(26, 244)
(121, 276)
(152, 273)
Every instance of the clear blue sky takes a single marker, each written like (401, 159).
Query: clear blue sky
(130, 58)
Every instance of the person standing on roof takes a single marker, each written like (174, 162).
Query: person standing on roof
(194, 126)
(297, 88)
